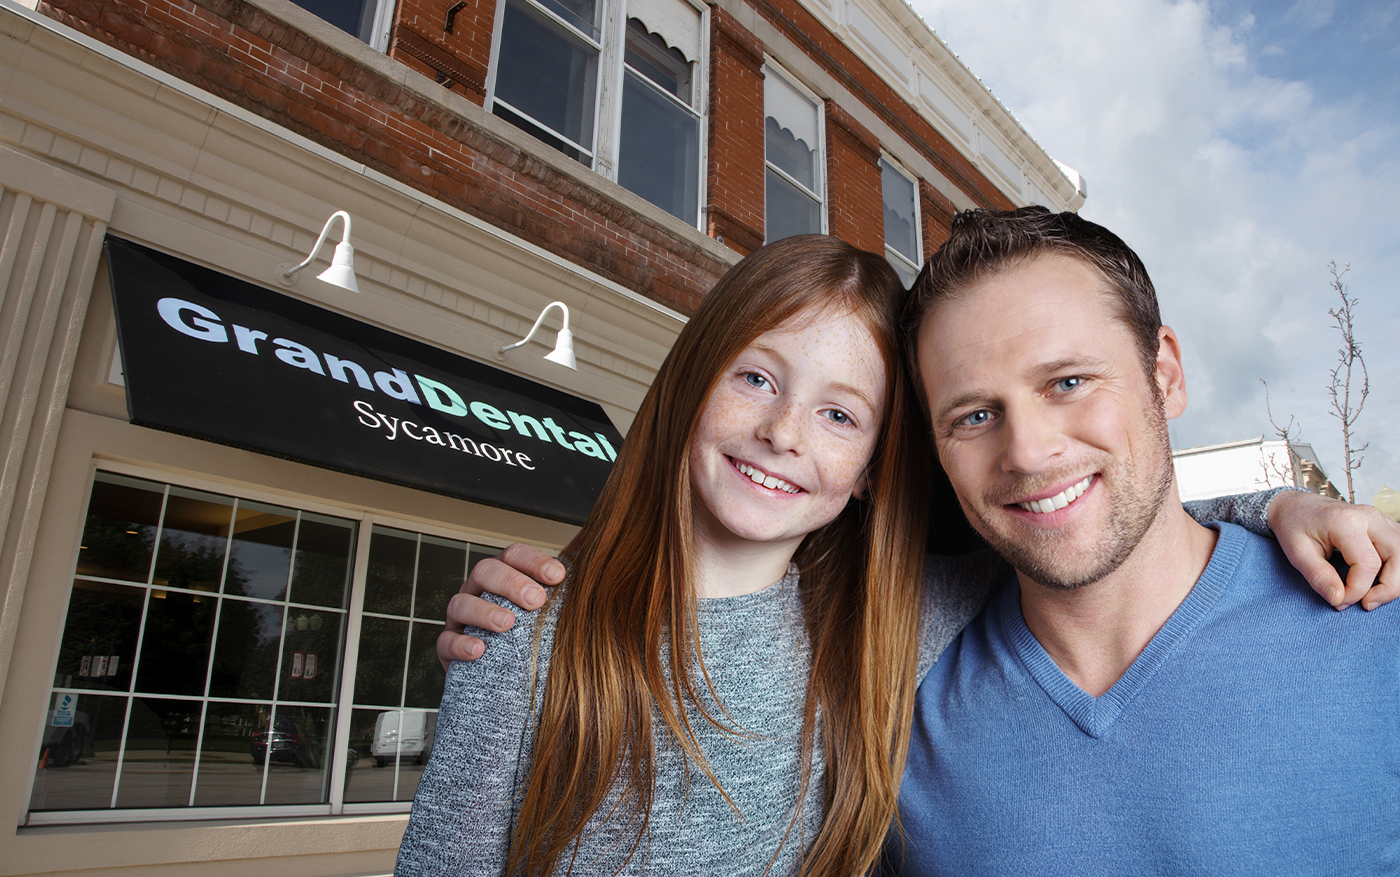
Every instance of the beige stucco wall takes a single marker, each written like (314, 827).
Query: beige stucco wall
(92, 141)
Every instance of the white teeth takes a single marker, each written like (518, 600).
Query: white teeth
(1059, 500)
(769, 481)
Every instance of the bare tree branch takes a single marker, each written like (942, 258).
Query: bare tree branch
(1287, 434)
(1348, 361)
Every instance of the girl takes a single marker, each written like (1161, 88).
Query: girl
(725, 683)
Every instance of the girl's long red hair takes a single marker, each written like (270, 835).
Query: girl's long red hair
(629, 611)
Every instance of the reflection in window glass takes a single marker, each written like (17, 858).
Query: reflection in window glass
(547, 79)
(321, 571)
(193, 537)
(230, 771)
(175, 647)
(310, 655)
(389, 579)
(158, 759)
(99, 637)
(246, 650)
(297, 753)
(379, 673)
(441, 569)
(660, 149)
(120, 532)
(260, 560)
(78, 755)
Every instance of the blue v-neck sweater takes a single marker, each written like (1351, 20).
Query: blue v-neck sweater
(1258, 733)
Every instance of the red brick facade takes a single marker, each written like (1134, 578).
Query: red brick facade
(446, 40)
(854, 203)
(237, 51)
(735, 175)
(936, 215)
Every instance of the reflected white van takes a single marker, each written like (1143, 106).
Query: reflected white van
(405, 734)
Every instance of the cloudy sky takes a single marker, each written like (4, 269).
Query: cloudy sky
(1238, 146)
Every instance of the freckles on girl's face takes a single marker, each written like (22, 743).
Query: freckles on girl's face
(785, 435)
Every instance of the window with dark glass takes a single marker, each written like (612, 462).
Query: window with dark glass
(367, 20)
(901, 221)
(205, 650)
(793, 177)
(550, 74)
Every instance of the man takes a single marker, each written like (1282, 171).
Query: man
(1144, 695)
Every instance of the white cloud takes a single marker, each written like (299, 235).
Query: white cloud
(1236, 188)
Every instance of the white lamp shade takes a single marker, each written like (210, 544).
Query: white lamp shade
(563, 352)
(342, 270)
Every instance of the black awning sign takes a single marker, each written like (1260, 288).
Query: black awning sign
(215, 357)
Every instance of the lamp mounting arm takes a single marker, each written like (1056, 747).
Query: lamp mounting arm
(325, 232)
(535, 328)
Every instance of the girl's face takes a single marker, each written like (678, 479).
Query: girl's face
(785, 436)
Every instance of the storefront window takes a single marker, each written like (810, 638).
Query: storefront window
(202, 656)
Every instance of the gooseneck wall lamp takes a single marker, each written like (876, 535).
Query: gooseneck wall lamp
(342, 270)
(563, 352)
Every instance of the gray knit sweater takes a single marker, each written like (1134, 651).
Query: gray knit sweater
(757, 656)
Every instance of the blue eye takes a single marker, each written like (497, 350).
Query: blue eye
(1065, 385)
(756, 380)
(977, 418)
(840, 417)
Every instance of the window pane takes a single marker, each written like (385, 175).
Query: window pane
(352, 16)
(648, 54)
(261, 558)
(193, 537)
(389, 578)
(442, 565)
(245, 650)
(425, 676)
(792, 131)
(78, 761)
(546, 75)
(788, 210)
(365, 778)
(379, 673)
(175, 647)
(906, 272)
(901, 231)
(229, 775)
(121, 528)
(659, 156)
(99, 637)
(582, 14)
(298, 766)
(158, 762)
(321, 570)
(310, 655)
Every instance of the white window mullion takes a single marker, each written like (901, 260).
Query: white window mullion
(351, 658)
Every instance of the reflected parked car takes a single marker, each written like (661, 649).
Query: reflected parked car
(63, 744)
(284, 743)
(406, 734)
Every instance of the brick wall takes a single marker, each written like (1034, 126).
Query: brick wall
(457, 58)
(936, 215)
(735, 172)
(854, 198)
(242, 54)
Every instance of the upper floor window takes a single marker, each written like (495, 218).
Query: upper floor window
(367, 20)
(901, 221)
(794, 182)
(615, 89)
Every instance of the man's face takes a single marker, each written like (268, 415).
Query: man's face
(1052, 434)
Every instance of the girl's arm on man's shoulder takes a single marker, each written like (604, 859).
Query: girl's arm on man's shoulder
(462, 813)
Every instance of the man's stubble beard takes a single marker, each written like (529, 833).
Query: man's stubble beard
(1131, 515)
